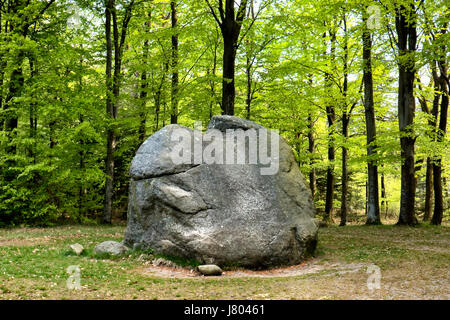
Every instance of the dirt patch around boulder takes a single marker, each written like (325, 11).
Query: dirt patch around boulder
(311, 267)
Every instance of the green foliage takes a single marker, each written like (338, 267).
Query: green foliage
(52, 80)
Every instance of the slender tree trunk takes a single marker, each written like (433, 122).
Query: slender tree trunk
(438, 199)
(345, 123)
(144, 87)
(82, 154)
(212, 83)
(174, 91)
(158, 97)
(428, 191)
(438, 211)
(311, 147)
(32, 112)
(432, 124)
(16, 83)
(110, 134)
(228, 87)
(437, 166)
(344, 179)
(248, 101)
(384, 204)
(2, 78)
(230, 26)
(143, 103)
(331, 118)
(330, 170)
(112, 106)
(366, 203)
(407, 38)
(373, 205)
(248, 66)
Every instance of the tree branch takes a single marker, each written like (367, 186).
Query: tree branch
(214, 13)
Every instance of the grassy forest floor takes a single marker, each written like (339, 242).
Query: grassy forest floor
(414, 264)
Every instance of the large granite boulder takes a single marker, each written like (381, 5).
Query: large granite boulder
(255, 215)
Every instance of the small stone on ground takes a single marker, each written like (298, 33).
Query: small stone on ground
(77, 248)
(210, 270)
(111, 247)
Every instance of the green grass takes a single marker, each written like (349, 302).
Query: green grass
(414, 264)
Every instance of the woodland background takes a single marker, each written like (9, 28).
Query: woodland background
(358, 88)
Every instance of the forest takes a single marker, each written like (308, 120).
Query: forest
(359, 89)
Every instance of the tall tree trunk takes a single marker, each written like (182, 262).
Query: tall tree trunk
(428, 191)
(112, 106)
(228, 87)
(16, 81)
(311, 147)
(12, 118)
(345, 123)
(437, 165)
(230, 26)
(144, 87)
(248, 100)
(174, 91)
(82, 188)
(331, 118)
(158, 96)
(440, 137)
(344, 179)
(212, 82)
(248, 67)
(384, 204)
(110, 134)
(32, 112)
(143, 103)
(405, 22)
(431, 133)
(373, 205)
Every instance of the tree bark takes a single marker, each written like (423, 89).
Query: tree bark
(345, 123)
(212, 83)
(428, 210)
(384, 203)
(437, 165)
(344, 179)
(248, 68)
(311, 147)
(110, 135)
(230, 26)
(112, 101)
(331, 118)
(428, 191)
(174, 91)
(405, 22)
(228, 87)
(373, 204)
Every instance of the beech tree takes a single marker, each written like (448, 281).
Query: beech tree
(373, 206)
(115, 44)
(230, 23)
(405, 25)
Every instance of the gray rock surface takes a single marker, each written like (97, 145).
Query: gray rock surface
(153, 157)
(209, 270)
(77, 248)
(111, 247)
(231, 122)
(165, 263)
(219, 214)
